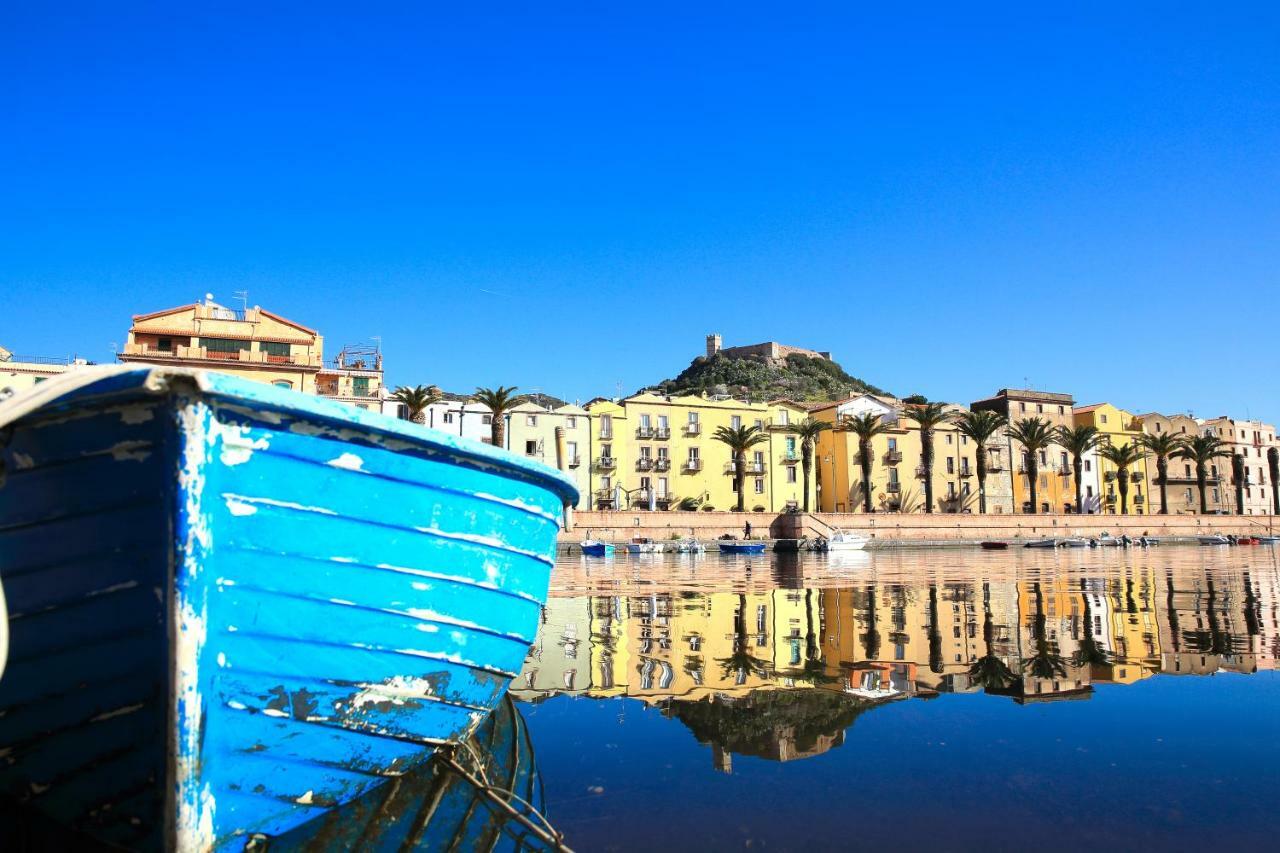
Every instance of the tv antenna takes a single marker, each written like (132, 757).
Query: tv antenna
(243, 296)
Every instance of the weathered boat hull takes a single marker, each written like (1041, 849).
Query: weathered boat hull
(742, 547)
(234, 607)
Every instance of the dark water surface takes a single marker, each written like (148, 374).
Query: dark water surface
(920, 699)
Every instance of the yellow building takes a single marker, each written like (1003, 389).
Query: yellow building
(1118, 428)
(253, 343)
(354, 377)
(1055, 485)
(897, 469)
(661, 451)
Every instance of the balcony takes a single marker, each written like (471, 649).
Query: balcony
(1109, 476)
(693, 428)
(893, 488)
(921, 471)
(575, 461)
(748, 468)
(604, 498)
(1135, 476)
(1110, 497)
(1139, 499)
(179, 352)
(606, 463)
(644, 463)
(994, 465)
(693, 465)
(966, 472)
(644, 432)
(892, 457)
(662, 463)
(662, 434)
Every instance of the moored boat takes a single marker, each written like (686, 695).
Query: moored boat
(1041, 543)
(689, 546)
(1073, 542)
(595, 548)
(841, 540)
(643, 545)
(732, 546)
(1267, 540)
(994, 546)
(234, 607)
(1214, 539)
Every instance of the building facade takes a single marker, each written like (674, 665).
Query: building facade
(1250, 440)
(354, 377)
(1183, 495)
(1119, 428)
(252, 343)
(1055, 488)
(18, 373)
(559, 437)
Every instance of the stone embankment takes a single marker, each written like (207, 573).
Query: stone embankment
(896, 530)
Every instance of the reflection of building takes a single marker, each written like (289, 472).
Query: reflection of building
(251, 342)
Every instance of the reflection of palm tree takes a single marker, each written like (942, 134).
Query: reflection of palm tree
(935, 633)
(741, 662)
(1046, 663)
(871, 639)
(989, 671)
(1091, 651)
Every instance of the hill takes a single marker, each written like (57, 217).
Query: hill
(797, 377)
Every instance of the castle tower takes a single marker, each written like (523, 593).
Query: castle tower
(713, 344)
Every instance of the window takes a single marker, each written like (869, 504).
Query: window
(1040, 408)
(644, 422)
(1062, 460)
(784, 417)
(693, 454)
(1088, 464)
(165, 344)
(571, 450)
(893, 444)
(1158, 427)
(360, 386)
(531, 448)
(646, 452)
(759, 485)
(791, 445)
(571, 422)
(758, 457)
(224, 346)
(791, 473)
(951, 465)
(948, 438)
(274, 350)
(964, 489)
(448, 417)
(1104, 418)
(1062, 410)
(964, 440)
(735, 421)
(606, 450)
(662, 487)
(759, 424)
(1044, 458)
(1022, 407)
(693, 417)
(662, 452)
(1215, 496)
(951, 489)
(645, 483)
(606, 482)
(530, 420)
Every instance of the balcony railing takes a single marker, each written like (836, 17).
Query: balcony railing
(994, 465)
(644, 432)
(662, 433)
(644, 463)
(693, 428)
(1110, 497)
(892, 457)
(1138, 498)
(748, 467)
(662, 463)
(606, 462)
(790, 456)
(920, 472)
(575, 461)
(893, 488)
(693, 465)
(966, 472)
(1109, 476)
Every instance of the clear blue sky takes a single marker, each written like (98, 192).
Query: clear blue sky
(569, 199)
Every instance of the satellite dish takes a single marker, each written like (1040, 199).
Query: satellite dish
(208, 297)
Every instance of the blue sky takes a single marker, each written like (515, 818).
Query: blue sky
(562, 197)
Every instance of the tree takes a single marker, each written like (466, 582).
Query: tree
(1163, 446)
(1078, 441)
(808, 431)
(1090, 652)
(1046, 663)
(500, 400)
(865, 426)
(417, 400)
(1238, 477)
(1035, 435)
(739, 440)
(990, 671)
(928, 417)
(980, 428)
(1123, 457)
(1201, 450)
(1273, 463)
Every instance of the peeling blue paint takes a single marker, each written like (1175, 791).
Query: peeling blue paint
(301, 597)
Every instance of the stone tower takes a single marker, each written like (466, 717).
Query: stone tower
(713, 344)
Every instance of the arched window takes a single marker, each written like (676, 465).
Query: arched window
(282, 383)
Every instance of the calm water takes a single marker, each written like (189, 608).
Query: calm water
(939, 699)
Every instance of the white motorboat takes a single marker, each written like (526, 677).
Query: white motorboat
(689, 546)
(841, 540)
(643, 545)
(1214, 539)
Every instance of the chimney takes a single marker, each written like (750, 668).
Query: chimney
(713, 345)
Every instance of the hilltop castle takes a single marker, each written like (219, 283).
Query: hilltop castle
(772, 351)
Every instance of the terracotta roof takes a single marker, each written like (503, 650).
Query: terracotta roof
(137, 317)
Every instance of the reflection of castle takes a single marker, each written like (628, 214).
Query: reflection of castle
(781, 673)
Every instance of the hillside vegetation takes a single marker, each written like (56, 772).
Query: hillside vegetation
(802, 379)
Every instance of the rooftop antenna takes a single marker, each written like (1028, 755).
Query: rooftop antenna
(377, 342)
(243, 296)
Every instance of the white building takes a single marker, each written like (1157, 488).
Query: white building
(18, 373)
(458, 416)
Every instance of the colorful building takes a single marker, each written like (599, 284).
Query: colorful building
(1055, 488)
(18, 373)
(455, 414)
(1183, 495)
(1117, 427)
(253, 343)
(354, 377)
(1250, 440)
(559, 437)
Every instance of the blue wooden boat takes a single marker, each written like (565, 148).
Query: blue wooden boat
(729, 546)
(234, 607)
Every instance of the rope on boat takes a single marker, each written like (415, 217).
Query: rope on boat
(534, 822)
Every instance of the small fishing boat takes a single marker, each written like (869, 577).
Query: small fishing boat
(841, 540)
(1247, 540)
(1267, 540)
(1073, 542)
(1106, 540)
(732, 546)
(689, 546)
(1214, 539)
(234, 607)
(1041, 543)
(994, 546)
(595, 548)
(643, 545)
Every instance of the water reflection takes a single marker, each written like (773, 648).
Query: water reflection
(777, 656)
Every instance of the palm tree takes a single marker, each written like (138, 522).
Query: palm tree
(740, 439)
(871, 639)
(1091, 651)
(980, 428)
(1035, 435)
(1238, 476)
(1202, 450)
(1046, 663)
(1273, 465)
(1163, 446)
(417, 400)
(1123, 456)
(1078, 441)
(740, 661)
(928, 417)
(989, 671)
(500, 400)
(808, 431)
(865, 426)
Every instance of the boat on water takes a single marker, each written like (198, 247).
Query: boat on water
(842, 540)
(1267, 540)
(233, 608)
(643, 545)
(595, 548)
(733, 546)
(1073, 542)
(1214, 539)
(994, 546)
(1041, 543)
(688, 546)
